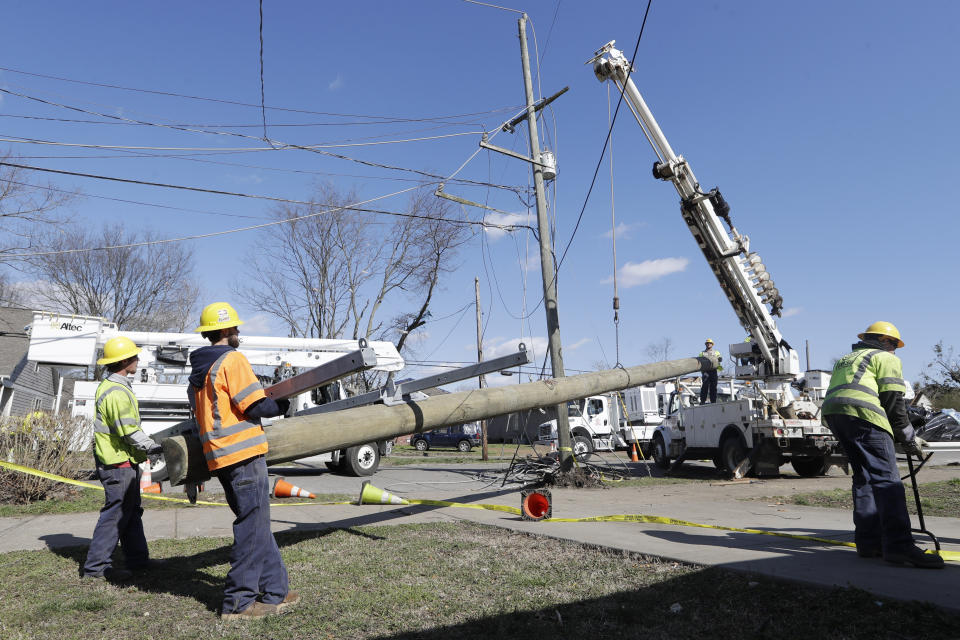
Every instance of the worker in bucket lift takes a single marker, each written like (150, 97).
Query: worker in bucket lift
(229, 402)
(119, 446)
(708, 379)
(865, 410)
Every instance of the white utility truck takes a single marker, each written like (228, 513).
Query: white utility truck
(73, 341)
(769, 425)
(610, 421)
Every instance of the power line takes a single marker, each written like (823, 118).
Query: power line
(377, 119)
(352, 207)
(263, 108)
(606, 142)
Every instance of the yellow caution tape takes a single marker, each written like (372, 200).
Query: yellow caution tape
(950, 556)
(150, 496)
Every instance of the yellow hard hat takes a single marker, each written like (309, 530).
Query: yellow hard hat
(883, 329)
(216, 316)
(117, 349)
(708, 340)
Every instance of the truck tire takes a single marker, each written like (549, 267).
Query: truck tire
(660, 456)
(733, 451)
(421, 444)
(582, 448)
(361, 460)
(464, 446)
(810, 466)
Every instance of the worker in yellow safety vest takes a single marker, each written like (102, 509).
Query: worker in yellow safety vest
(119, 446)
(708, 379)
(228, 403)
(865, 410)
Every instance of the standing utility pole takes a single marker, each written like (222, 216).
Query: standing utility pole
(483, 380)
(546, 257)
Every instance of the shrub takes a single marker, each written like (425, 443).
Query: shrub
(56, 444)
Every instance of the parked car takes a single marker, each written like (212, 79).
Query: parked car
(462, 436)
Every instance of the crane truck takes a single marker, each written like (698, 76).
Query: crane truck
(767, 425)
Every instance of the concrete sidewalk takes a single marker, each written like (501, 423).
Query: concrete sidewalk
(722, 504)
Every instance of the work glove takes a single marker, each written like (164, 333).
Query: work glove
(914, 447)
(156, 449)
(284, 406)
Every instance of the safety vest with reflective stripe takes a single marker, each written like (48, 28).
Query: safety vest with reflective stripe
(714, 356)
(858, 380)
(229, 390)
(118, 415)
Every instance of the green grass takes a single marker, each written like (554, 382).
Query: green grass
(936, 498)
(443, 582)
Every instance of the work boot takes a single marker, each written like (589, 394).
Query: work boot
(150, 565)
(256, 610)
(109, 575)
(915, 556)
(869, 552)
(289, 600)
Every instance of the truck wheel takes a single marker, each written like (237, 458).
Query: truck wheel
(582, 448)
(809, 466)
(732, 453)
(421, 445)
(464, 446)
(660, 456)
(361, 460)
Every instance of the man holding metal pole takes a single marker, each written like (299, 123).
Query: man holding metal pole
(229, 403)
(865, 410)
(119, 446)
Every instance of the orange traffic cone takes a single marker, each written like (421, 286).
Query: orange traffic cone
(633, 453)
(536, 504)
(283, 489)
(146, 479)
(370, 494)
(147, 485)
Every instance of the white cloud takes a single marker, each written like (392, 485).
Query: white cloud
(257, 325)
(633, 274)
(251, 178)
(336, 84)
(577, 344)
(495, 217)
(623, 230)
(791, 311)
(496, 347)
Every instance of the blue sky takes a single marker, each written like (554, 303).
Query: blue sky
(830, 128)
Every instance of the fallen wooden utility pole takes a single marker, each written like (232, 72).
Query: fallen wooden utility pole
(309, 435)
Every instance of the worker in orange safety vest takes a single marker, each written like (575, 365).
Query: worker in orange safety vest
(228, 403)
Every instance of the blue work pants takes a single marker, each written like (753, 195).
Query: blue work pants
(256, 568)
(120, 521)
(880, 515)
(708, 386)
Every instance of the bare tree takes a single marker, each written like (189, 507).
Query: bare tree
(660, 350)
(331, 275)
(10, 294)
(146, 288)
(941, 380)
(25, 207)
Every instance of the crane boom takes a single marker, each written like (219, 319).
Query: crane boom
(740, 272)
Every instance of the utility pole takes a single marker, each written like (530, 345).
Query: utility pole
(546, 256)
(483, 380)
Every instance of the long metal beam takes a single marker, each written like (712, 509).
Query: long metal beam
(395, 393)
(303, 436)
(359, 360)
